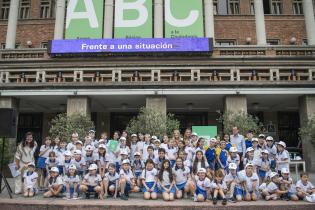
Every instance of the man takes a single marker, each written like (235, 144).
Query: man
(237, 140)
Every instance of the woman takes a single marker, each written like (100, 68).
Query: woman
(23, 156)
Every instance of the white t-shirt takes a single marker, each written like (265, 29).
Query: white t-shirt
(264, 165)
(51, 164)
(281, 156)
(79, 164)
(149, 176)
(180, 175)
(48, 150)
(303, 187)
(221, 185)
(102, 160)
(203, 184)
(127, 174)
(171, 153)
(140, 146)
(166, 179)
(272, 151)
(272, 187)
(190, 152)
(71, 147)
(53, 182)
(230, 178)
(145, 150)
(30, 180)
(71, 180)
(249, 180)
(92, 180)
(112, 177)
(137, 166)
(235, 160)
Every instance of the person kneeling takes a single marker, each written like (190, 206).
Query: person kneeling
(203, 185)
(167, 182)
(92, 183)
(149, 180)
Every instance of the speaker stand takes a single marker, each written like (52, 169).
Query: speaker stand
(2, 177)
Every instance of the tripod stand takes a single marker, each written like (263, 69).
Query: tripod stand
(2, 177)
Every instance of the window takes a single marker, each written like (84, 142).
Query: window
(273, 41)
(44, 45)
(225, 42)
(252, 7)
(215, 7)
(297, 7)
(17, 45)
(2, 46)
(304, 42)
(47, 8)
(234, 7)
(276, 7)
(25, 6)
(4, 9)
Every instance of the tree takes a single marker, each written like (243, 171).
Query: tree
(154, 122)
(308, 130)
(242, 120)
(63, 126)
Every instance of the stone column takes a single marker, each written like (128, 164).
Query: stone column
(235, 103)
(12, 24)
(209, 18)
(79, 105)
(309, 21)
(157, 102)
(10, 102)
(307, 111)
(60, 19)
(158, 19)
(108, 19)
(260, 22)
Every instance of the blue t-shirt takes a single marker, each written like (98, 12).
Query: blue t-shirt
(210, 155)
(223, 158)
(228, 146)
(248, 143)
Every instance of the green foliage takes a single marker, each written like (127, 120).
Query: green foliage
(63, 126)
(242, 120)
(308, 130)
(153, 121)
(7, 152)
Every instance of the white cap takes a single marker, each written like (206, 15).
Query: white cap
(157, 140)
(91, 131)
(102, 146)
(126, 161)
(93, 166)
(285, 171)
(261, 135)
(269, 138)
(265, 151)
(89, 147)
(194, 134)
(137, 153)
(31, 164)
(249, 149)
(232, 166)
(133, 135)
(101, 140)
(124, 152)
(213, 140)
(54, 169)
(282, 144)
(154, 137)
(79, 142)
(233, 149)
(254, 139)
(77, 152)
(75, 135)
(249, 164)
(122, 138)
(202, 170)
(72, 166)
(67, 153)
(273, 174)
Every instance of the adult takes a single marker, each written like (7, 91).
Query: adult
(237, 140)
(24, 155)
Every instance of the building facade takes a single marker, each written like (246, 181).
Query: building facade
(263, 63)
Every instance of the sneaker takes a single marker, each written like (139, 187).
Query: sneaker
(87, 195)
(215, 201)
(75, 195)
(123, 197)
(195, 197)
(68, 195)
(232, 200)
(224, 202)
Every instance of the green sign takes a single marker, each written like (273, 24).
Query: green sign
(112, 145)
(206, 132)
(133, 19)
(84, 19)
(184, 18)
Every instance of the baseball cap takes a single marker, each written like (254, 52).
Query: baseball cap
(54, 169)
(126, 161)
(202, 170)
(269, 138)
(93, 166)
(233, 149)
(232, 166)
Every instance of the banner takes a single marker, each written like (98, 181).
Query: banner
(206, 132)
(198, 45)
(84, 19)
(184, 18)
(133, 19)
(112, 145)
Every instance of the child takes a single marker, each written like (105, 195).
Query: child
(248, 139)
(282, 157)
(165, 141)
(67, 161)
(79, 162)
(127, 181)
(249, 156)
(166, 181)
(150, 153)
(219, 188)
(203, 185)
(171, 152)
(286, 183)
(144, 149)
(74, 139)
(111, 181)
(200, 145)
(200, 162)
(234, 157)
(123, 156)
(149, 180)
(30, 180)
(161, 157)
(123, 146)
(60, 151)
(89, 157)
(257, 150)
(156, 147)
(101, 159)
(222, 157)
(71, 182)
(304, 188)
(272, 149)
(210, 156)
(133, 145)
(55, 183)
(41, 163)
(182, 178)
(183, 155)
(92, 182)
(51, 162)
(189, 150)
(272, 190)
(232, 182)
(137, 166)
(249, 181)
(263, 166)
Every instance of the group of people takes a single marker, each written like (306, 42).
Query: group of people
(232, 169)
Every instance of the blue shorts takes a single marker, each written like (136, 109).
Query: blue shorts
(71, 190)
(273, 164)
(117, 165)
(127, 187)
(150, 185)
(290, 194)
(238, 191)
(172, 190)
(60, 168)
(262, 174)
(91, 189)
(41, 162)
(181, 186)
(212, 165)
(172, 163)
(201, 192)
(137, 174)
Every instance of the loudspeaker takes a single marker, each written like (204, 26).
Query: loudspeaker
(8, 124)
